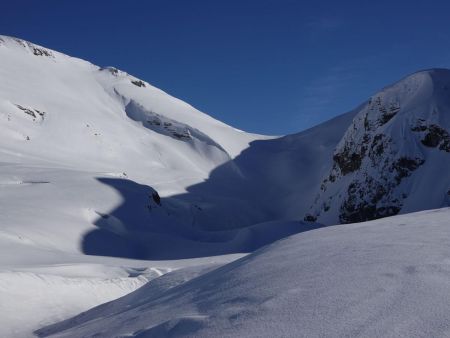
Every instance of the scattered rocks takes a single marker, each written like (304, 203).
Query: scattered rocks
(185, 135)
(41, 52)
(310, 218)
(34, 113)
(155, 121)
(388, 114)
(20, 42)
(433, 135)
(114, 71)
(404, 166)
(138, 83)
(160, 123)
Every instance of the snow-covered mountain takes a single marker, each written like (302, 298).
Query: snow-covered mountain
(377, 160)
(107, 182)
(67, 126)
(395, 156)
(390, 155)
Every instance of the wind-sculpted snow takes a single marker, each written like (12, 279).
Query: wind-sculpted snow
(385, 278)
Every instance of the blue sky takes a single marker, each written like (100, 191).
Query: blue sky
(266, 66)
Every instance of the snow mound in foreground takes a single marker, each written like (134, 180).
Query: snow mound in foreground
(388, 277)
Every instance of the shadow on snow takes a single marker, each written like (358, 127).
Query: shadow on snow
(231, 212)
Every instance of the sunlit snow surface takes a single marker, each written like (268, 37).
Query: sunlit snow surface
(107, 183)
(385, 278)
(70, 154)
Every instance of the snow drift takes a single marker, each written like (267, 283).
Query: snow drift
(385, 278)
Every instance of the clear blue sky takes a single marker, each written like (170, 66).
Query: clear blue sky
(266, 66)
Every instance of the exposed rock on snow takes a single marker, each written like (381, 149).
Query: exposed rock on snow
(34, 113)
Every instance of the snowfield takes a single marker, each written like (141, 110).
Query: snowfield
(71, 151)
(384, 278)
(154, 219)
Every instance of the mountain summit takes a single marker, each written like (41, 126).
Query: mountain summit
(395, 155)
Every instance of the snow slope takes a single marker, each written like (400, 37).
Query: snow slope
(42, 286)
(73, 134)
(66, 128)
(89, 159)
(90, 117)
(385, 278)
(107, 182)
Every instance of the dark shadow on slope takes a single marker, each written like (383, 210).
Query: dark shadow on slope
(270, 180)
(140, 228)
(116, 233)
(228, 213)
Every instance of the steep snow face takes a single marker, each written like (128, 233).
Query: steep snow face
(394, 157)
(385, 278)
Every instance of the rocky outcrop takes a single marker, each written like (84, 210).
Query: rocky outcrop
(41, 52)
(375, 196)
(378, 152)
(433, 136)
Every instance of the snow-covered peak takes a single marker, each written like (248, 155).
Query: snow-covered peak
(385, 161)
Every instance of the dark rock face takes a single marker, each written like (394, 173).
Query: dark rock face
(348, 158)
(353, 211)
(375, 198)
(347, 162)
(156, 198)
(433, 135)
(388, 114)
(404, 166)
(384, 112)
(371, 163)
